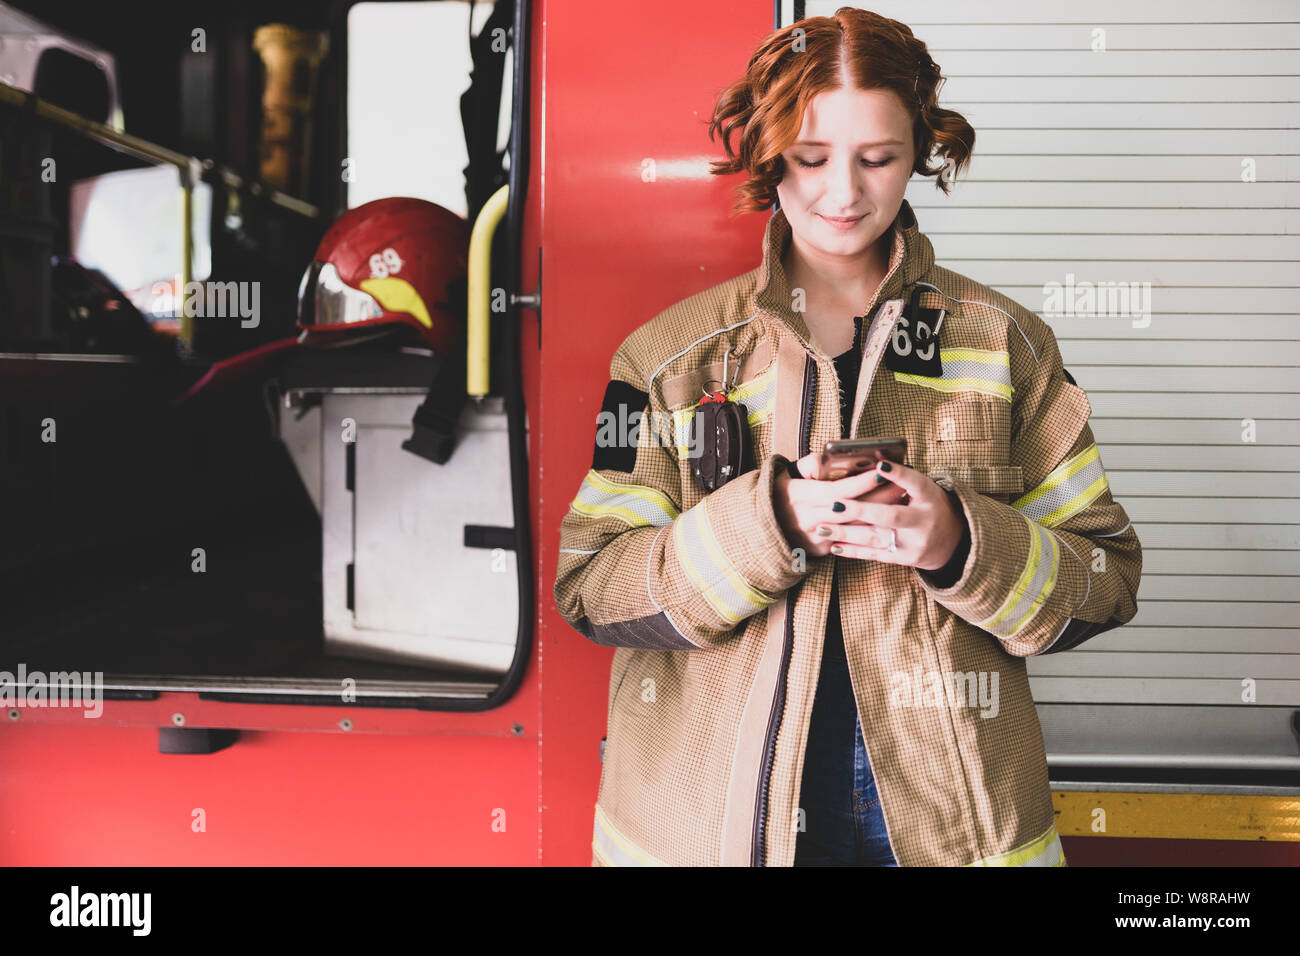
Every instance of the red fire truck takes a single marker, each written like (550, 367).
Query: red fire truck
(316, 643)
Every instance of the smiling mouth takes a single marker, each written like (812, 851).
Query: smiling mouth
(843, 221)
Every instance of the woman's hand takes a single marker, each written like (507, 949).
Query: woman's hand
(873, 524)
(802, 505)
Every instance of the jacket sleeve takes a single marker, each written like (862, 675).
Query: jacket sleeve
(1061, 563)
(636, 571)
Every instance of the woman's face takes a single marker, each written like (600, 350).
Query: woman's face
(852, 160)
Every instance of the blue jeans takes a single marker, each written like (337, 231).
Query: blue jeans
(845, 826)
(843, 823)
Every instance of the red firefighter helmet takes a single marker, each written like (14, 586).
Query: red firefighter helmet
(387, 261)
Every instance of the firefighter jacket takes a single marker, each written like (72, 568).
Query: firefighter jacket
(718, 623)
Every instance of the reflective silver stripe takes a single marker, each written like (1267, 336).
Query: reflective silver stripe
(1046, 850)
(711, 571)
(968, 370)
(1036, 583)
(682, 431)
(615, 849)
(1071, 487)
(638, 505)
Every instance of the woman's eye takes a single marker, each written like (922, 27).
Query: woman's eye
(820, 162)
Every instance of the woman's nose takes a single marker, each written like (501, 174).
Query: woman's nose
(844, 187)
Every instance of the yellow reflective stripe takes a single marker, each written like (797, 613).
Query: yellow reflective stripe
(983, 386)
(968, 370)
(638, 505)
(1047, 588)
(711, 571)
(614, 849)
(1071, 487)
(1046, 850)
(753, 596)
(1075, 504)
(1060, 474)
(1022, 583)
(757, 396)
(746, 390)
(1036, 582)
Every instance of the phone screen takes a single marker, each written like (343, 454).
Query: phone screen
(844, 457)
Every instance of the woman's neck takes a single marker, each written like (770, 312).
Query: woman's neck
(832, 284)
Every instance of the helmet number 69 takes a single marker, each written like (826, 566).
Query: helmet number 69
(385, 263)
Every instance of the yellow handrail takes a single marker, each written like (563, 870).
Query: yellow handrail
(480, 292)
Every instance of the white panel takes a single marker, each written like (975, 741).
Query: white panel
(1193, 378)
(1285, 537)
(421, 596)
(1017, 32)
(408, 64)
(1248, 327)
(1211, 613)
(1126, 166)
(1220, 587)
(1200, 431)
(1108, 403)
(1199, 458)
(1160, 690)
(1147, 509)
(1180, 484)
(1206, 561)
(1264, 640)
(1234, 666)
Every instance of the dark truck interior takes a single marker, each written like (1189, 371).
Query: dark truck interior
(111, 490)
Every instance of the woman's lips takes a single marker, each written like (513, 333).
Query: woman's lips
(843, 224)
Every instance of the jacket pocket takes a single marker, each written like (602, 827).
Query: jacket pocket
(970, 438)
(996, 481)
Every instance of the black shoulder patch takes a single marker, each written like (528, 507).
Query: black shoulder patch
(617, 426)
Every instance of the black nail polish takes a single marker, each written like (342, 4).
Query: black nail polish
(838, 506)
(880, 479)
(884, 466)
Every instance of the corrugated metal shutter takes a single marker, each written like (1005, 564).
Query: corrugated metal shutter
(1153, 141)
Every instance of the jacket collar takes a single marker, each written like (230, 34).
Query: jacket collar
(911, 257)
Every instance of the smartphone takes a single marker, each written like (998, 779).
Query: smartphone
(852, 456)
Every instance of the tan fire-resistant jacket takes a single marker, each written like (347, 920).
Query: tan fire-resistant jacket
(719, 623)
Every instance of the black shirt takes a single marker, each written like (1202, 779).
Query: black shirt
(832, 731)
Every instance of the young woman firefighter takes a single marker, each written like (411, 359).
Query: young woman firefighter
(832, 670)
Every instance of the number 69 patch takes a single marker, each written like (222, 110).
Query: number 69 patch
(914, 347)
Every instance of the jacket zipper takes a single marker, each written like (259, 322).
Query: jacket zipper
(758, 845)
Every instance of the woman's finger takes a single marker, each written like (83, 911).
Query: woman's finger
(860, 535)
(913, 482)
(886, 516)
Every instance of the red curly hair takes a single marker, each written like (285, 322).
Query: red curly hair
(794, 64)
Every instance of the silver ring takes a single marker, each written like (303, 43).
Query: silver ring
(893, 540)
